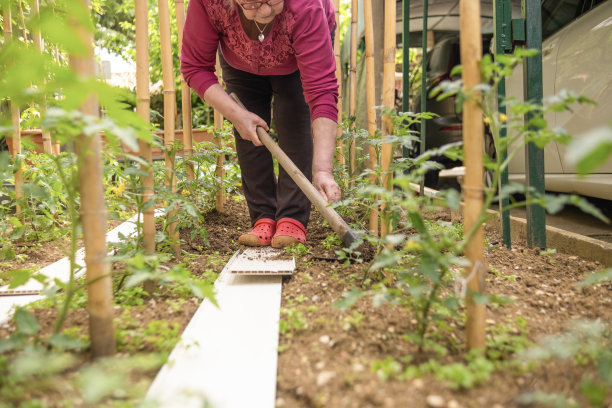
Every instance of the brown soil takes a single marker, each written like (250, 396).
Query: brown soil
(325, 362)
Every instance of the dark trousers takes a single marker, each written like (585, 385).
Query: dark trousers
(282, 96)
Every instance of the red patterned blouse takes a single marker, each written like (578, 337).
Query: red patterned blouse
(299, 39)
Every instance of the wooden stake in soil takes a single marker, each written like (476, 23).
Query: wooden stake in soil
(143, 108)
(473, 131)
(169, 112)
(339, 151)
(353, 82)
(93, 216)
(388, 101)
(37, 40)
(16, 138)
(219, 171)
(185, 97)
(370, 101)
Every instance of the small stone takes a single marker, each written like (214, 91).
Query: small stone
(539, 292)
(435, 401)
(325, 339)
(320, 365)
(300, 391)
(315, 298)
(516, 268)
(453, 404)
(280, 403)
(497, 406)
(391, 329)
(490, 321)
(325, 377)
(358, 367)
(418, 384)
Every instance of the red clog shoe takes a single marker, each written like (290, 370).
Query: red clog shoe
(288, 231)
(260, 235)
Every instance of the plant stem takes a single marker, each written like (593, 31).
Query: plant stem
(71, 205)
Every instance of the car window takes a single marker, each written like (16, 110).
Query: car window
(556, 14)
(441, 56)
(596, 2)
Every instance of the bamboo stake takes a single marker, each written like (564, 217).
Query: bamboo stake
(219, 171)
(339, 153)
(185, 97)
(169, 111)
(93, 216)
(143, 108)
(370, 101)
(37, 40)
(337, 51)
(23, 25)
(15, 119)
(353, 83)
(389, 102)
(56, 146)
(473, 131)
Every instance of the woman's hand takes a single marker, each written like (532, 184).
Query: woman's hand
(246, 125)
(244, 121)
(326, 185)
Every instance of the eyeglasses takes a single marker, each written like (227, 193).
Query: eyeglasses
(255, 5)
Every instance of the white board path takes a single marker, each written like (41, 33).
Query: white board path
(227, 356)
(261, 261)
(58, 270)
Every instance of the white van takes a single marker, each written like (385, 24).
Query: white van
(577, 56)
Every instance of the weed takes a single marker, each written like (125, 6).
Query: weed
(331, 241)
(386, 369)
(583, 343)
(297, 250)
(353, 321)
(292, 321)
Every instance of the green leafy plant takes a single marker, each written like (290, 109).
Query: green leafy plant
(584, 343)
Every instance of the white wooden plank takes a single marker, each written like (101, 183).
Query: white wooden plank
(58, 270)
(227, 356)
(262, 261)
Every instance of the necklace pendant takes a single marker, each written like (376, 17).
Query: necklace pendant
(261, 37)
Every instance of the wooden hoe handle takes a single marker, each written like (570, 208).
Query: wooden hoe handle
(335, 221)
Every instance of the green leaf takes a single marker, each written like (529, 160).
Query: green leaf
(137, 278)
(19, 277)
(41, 362)
(348, 299)
(590, 150)
(26, 323)
(66, 342)
(595, 393)
(59, 32)
(452, 198)
(595, 278)
(17, 340)
(96, 383)
(203, 290)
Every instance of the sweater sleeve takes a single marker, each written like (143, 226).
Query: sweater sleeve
(199, 49)
(316, 62)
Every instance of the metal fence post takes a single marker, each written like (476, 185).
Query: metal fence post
(502, 16)
(533, 90)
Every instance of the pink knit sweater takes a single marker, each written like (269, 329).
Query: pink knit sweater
(299, 39)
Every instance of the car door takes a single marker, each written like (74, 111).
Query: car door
(554, 13)
(584, 65)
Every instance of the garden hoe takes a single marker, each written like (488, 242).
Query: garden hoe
(339, 226)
